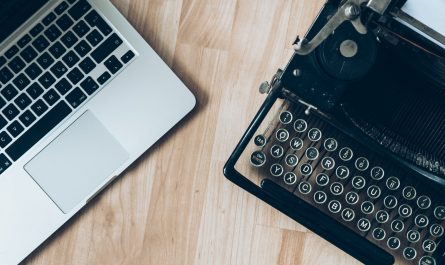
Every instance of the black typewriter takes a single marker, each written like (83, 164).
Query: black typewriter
(350, 141)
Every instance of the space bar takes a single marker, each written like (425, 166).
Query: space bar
(38, 130)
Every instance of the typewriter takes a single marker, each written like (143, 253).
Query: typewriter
(350, 141)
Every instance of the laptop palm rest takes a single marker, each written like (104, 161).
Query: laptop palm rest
(77, 162)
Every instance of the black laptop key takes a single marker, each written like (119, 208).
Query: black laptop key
(24, 41)
(87, 65)
(22, 101)
(28, 54)
(64, 22)
(21, 81)
(36, 29)
(59, 69)
(72, 1)
(70, 59)
(75, 76)
(27, 118)
(2, 61)
(35, 90)
(5, 75)
(52, 33)
(79, 9)
(127, 56)
(45, 60)
(95, 20)
(69, 39)
(3, 122)
(33, 71)
(81, 28)
(47, 79)
(106, 48)
(9, 92)
(16, 64)
(2, 104)
(4, 163)
(41, 43)
(51, 97)
(5, 139)
(76, 97)
(94, 37)
(113, 64)
(104, 78)
(63, 86)
(39, 107)
(57, 50)
(38, 130)
(61, 8)
(82, 48)
(10, 112)
(89, 85)
(48, 19)
(11, 51)
(15, 128)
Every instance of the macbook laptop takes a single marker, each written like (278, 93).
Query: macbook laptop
(82, 96)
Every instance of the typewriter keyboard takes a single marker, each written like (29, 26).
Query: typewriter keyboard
(318, 163)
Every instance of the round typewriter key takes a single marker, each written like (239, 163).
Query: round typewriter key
(345, 154)
(409, 193)
(342, 172)
(377, 173)
(290, 178)
(427, 260)
(421, 221)
(405, 210)
(322, 179)
(393, 183)
(436, 230)
(429, 246)
(314, 134)
(330, 144)
(282, 135)
(327, 163)
(296, 143)
(397, 226)
(305, 187)
(358, 182)
(390, 202)
(378, 234)
(363, 224)
(413, 236)
(291, 160)
(258, 159)
(300, 125)
(424, 202)
(276, 151)
(347, 214)
(352, 197)
(367, 207)
(374, 192)
(393, 243)
(311, 153)
(260, 140)
(334, 206)
(276, 170)
(361, 164)
(409, 253)
(306, 169)
(320, 197)
(439, 212)
(336, 188)
(382, 216)
(286, 117)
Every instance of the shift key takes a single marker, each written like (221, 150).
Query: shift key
(106, 48)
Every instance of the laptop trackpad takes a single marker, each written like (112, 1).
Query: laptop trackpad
(72, 166)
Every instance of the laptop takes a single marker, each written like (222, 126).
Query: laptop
(82, 96)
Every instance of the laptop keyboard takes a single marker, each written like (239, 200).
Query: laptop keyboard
(51, 71)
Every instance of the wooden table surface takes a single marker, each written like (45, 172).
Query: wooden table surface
(174, 206)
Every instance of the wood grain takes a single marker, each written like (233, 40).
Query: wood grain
(174, 206)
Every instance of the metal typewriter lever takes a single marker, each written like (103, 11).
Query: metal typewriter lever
(349, 11)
